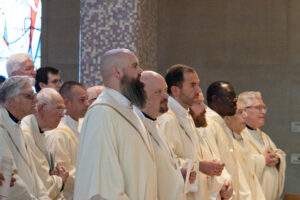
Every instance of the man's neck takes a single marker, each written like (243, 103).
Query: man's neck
(215, 108)
(181, 103)
(72, 116)
(41, 124)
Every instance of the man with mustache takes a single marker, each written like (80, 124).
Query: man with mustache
(212, 187)
(50, 109)
(63, 141)
(221, 99)
(178, 125)
(271, 168)
(116, 158)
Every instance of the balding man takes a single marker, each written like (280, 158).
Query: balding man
(271, 168)
(170, 183)
(63, 141)
(116, 158)
(17, 101)
(20, 64)
(93, 92)
(50, 109)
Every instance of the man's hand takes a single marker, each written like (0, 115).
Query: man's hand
(193, 175)
(61, 172)
(271, 158)
(211, 168)
(226, 190)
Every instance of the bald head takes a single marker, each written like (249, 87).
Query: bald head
(93, 92)
(156, 92)
(115, 58)
(152, 79)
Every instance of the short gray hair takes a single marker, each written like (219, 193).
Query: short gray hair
(47, 96)
(246, 99)
(15, 62)
(12, 86)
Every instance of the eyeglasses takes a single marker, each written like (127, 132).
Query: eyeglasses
(259, 108)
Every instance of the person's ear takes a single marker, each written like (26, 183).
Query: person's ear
(42, 85)
(175, 91)
(117, 72)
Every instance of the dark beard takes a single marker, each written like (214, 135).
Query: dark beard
(199, 120)
(133, 89)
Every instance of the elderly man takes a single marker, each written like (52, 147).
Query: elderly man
(50, 107)
(20, 64)
(63, 141)
(17, 101)
(178, 125)
(170, 182)
(47, 77)
(217, 187)
(93, 92)
(116, 158)
(271, 169)
(242, 154)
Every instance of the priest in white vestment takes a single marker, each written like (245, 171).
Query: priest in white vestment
(63, 141)
(116, 158)
(221, 99)
(216, 187)
(243, 154)
(18, 100)
(272, 167)
(50, 107)
(178, 125)
(170, 182)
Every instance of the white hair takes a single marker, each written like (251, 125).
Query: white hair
(15, 62)
(47, 96)
(113, 58)
(12, 86)
(247, 98)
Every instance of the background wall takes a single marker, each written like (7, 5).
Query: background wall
(60, 36)
(253, 44)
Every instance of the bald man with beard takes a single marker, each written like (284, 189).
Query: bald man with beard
(170, 182)
(116, 157)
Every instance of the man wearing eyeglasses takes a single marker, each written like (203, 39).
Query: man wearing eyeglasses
(271, 168)
(47, 77)
(17, 100)
(50, 110)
